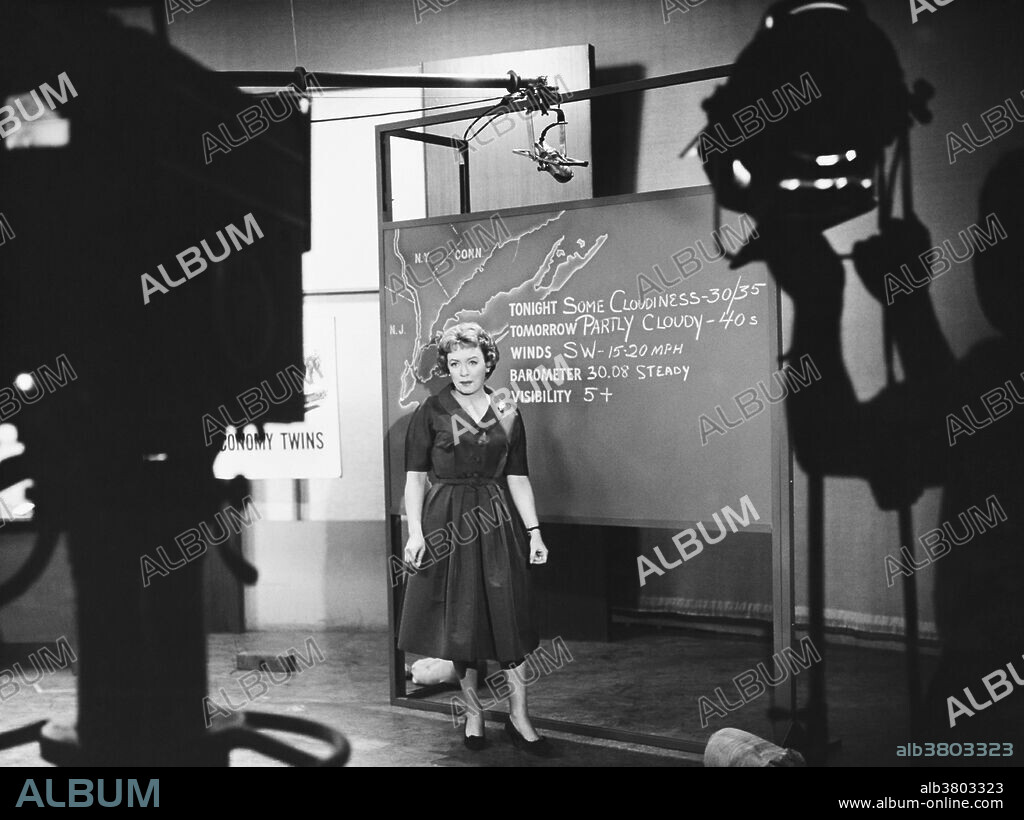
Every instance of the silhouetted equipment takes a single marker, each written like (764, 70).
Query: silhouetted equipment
(800, 129)
(799, 134)
(155, 156)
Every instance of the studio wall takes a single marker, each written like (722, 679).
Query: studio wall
(640, 38)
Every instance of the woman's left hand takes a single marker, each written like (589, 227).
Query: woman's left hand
(538, 552)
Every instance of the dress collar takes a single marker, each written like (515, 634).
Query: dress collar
(451, 404)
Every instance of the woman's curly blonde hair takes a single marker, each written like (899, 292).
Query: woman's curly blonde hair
(467, 334)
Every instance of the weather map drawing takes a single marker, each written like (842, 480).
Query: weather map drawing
(454, 281)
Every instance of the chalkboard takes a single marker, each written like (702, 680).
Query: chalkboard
(628, 302)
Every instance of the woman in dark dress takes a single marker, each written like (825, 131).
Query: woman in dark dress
(468, 599)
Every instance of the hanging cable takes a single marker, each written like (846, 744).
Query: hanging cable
(529, 95)
(466, 135)
(295, 39)
(407, 110)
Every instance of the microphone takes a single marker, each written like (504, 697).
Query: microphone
(552, 160)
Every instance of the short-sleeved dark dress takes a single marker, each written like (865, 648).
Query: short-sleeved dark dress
(471, 601)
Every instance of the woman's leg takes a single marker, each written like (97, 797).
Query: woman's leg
(466, 672)
(517, 706)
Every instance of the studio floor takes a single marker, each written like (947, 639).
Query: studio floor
(647, 680)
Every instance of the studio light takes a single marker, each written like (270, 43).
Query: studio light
(800, 129)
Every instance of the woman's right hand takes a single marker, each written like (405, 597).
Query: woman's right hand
(414, 549)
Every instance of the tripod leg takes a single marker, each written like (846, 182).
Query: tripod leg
(910, 621)
(817, 709)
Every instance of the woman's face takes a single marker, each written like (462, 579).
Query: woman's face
(468, 369)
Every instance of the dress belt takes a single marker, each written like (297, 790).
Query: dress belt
(476, 481)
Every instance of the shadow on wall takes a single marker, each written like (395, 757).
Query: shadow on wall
(615, 132)
(948, 424)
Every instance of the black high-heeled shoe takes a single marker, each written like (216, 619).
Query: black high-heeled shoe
(540, 747)
(473, 742)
